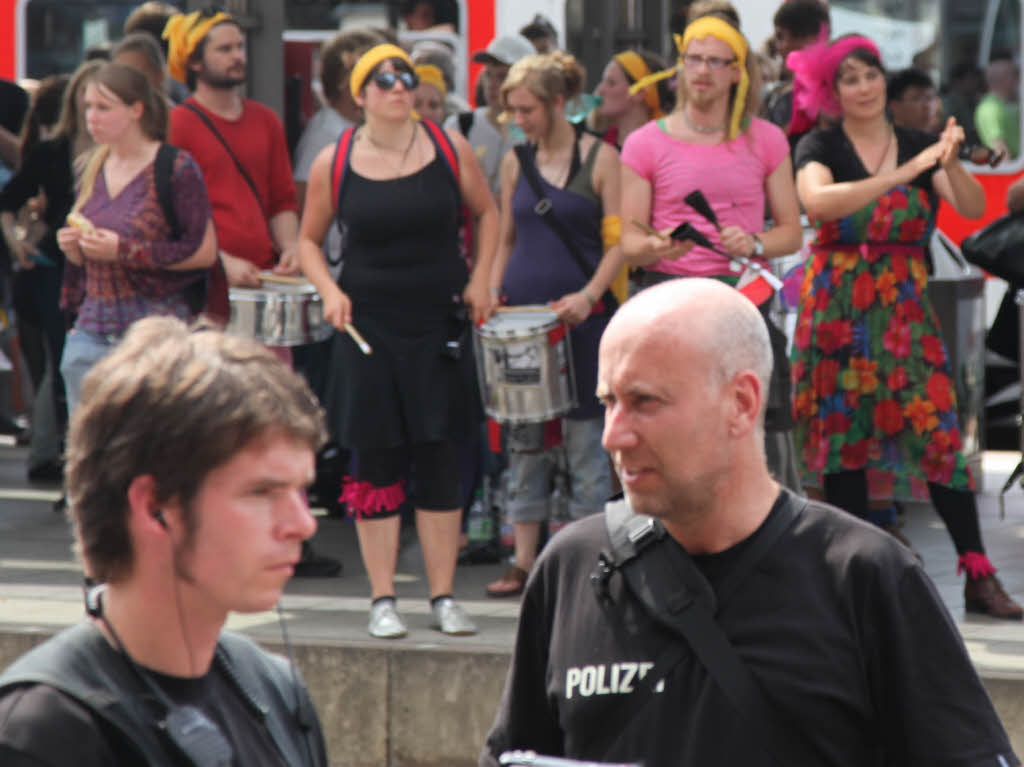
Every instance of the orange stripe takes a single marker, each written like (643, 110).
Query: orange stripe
(480, 20)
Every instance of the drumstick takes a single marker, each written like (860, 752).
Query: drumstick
(648, 229)
(364, 347)
(283, 279)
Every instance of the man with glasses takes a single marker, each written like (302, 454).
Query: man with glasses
(187, 466)
(710, 167)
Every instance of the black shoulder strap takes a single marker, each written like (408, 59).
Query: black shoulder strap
(259, 676)
(545, 209)
(163, 172)
(238, 163)
(675, 593)
(79, 663)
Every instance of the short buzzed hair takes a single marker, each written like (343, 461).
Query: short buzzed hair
(802, 18)
(173, 403)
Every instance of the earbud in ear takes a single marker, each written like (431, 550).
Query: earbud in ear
(159, 517)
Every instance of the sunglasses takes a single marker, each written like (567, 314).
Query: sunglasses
(386, 80)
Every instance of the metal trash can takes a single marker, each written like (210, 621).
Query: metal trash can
(957, 291)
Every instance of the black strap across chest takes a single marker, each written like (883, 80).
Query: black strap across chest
(664, 578)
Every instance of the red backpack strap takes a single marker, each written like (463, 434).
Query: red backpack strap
(444, 145)
(339, 167)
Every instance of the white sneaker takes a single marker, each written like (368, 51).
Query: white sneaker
(385, 622)
(449, 618)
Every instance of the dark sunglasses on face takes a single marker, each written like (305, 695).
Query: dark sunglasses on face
(386, 80)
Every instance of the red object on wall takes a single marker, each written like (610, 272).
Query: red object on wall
(480, 21)
(9, 39)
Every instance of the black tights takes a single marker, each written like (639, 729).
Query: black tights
(959, 511)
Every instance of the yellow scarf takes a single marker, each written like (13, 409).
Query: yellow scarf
(183, 32)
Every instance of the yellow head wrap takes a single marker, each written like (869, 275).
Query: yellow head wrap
(432, 75)
(183, 32)
(369, 60)
(710, 26)
(637, 69)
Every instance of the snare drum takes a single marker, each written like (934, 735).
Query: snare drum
(524, 364)
(278, 314)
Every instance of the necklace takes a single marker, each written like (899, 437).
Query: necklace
(706, 130)
(382, 148)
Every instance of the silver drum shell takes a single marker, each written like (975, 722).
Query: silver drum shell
(524, 378)
(278, 314)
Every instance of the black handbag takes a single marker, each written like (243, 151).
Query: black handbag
(999, 248)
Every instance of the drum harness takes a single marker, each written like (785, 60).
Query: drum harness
(546, 210)
(664, 579)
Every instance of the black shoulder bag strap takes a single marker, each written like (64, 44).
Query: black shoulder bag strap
(234, 158)
(545, 209)
(163, 173)
(676, 594)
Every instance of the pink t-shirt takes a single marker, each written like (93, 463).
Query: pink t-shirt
(731, 175)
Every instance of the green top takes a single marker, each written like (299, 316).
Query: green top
(997, 119)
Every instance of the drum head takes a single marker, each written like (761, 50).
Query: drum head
(513, 324)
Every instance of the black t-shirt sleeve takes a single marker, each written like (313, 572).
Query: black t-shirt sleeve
(933, 707)
(814, 147)
(42, 727)
(911, 143)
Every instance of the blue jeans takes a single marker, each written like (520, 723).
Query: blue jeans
(531, 474)
(82, 350)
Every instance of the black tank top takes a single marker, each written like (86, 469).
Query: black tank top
(401, 246)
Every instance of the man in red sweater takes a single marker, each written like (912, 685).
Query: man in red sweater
(241, 149)
(240, 146)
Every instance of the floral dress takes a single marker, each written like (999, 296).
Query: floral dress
(872, 383)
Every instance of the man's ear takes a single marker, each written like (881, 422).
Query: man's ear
(747, 397)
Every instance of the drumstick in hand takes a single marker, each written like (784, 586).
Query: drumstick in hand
(648, 229)
(364, 347)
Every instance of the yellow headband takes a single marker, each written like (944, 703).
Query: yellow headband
(183, 32)
(637, 69)
(710, 26)
(369, 60)
(432, 75)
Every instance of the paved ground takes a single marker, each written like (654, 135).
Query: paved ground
(39, 578)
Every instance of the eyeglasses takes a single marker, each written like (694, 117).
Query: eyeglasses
(693, 61)
(386, 80)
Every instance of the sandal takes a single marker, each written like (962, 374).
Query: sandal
(510, 584)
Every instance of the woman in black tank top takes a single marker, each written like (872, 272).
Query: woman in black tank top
(406, 289)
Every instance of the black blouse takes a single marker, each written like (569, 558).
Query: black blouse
(833, 149)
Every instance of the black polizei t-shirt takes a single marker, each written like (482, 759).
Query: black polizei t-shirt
(838, 624)
(42, 726)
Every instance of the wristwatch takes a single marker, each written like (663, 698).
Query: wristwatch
(758, 245)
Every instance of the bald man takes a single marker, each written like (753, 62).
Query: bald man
(826, 631)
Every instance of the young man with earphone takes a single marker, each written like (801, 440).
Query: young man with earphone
(188, 460)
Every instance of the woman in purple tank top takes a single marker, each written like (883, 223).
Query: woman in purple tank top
(579, 175)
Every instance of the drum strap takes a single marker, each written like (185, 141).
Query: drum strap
(546, 210)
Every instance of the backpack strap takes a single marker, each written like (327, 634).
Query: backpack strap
(339, 166)
(466, 122)
(163, 173)
(443, 143)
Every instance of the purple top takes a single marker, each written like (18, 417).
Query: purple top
(139, 284)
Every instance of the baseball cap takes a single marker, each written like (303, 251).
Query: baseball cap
(506, 50)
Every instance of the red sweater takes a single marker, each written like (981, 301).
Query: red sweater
(258, 141)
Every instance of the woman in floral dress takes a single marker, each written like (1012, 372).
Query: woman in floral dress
(873, 389)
